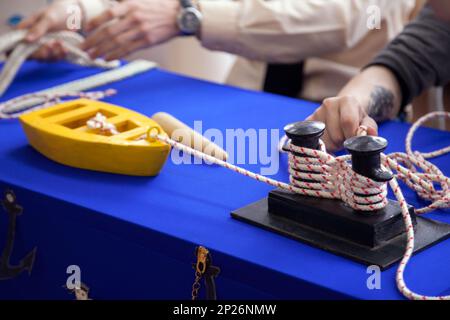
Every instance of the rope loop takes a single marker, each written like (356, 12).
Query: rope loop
(153, 133)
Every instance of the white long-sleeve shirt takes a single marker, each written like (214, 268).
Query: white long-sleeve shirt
(331, 36)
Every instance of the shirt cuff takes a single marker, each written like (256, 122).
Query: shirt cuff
(219, 30)
(93, 8)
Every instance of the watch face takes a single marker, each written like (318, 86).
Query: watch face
(190, 21)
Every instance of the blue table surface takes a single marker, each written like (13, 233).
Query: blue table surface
(193, 202)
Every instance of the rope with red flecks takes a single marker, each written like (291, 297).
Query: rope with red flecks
(50, 99)
(318, 174)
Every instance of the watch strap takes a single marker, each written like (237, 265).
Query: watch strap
(186, 3)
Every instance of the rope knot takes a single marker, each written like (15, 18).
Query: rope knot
(100, 123)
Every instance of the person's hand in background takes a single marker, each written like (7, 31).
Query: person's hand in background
(372, 96)
(49, 19)
(130, 26)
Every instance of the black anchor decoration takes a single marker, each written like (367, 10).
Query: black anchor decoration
(8, 271)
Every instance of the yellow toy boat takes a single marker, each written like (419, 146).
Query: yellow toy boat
(60, 133)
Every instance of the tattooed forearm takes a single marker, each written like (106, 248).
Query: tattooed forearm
(381, 106)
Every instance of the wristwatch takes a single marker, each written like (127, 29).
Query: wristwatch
(189, 19)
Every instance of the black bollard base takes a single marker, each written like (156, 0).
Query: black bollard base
(376, 238)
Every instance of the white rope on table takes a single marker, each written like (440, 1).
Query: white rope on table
(22, 50)
(21, 104)
(49, 100)
(333, 178)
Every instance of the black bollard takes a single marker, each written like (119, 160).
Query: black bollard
(305, 134)
(366, 157)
